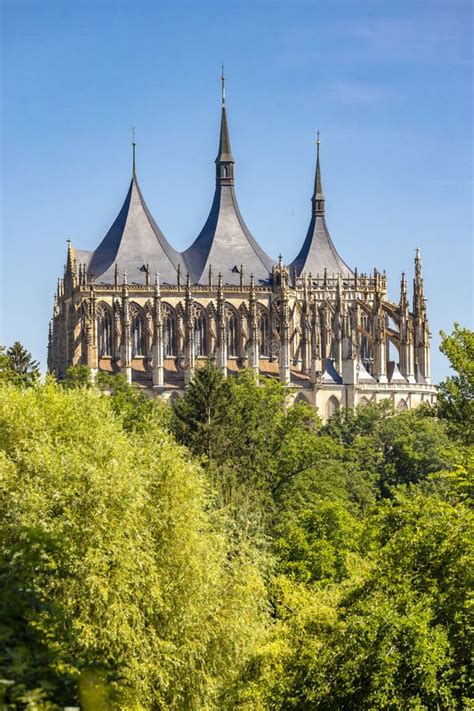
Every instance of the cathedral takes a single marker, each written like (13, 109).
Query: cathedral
(137, 306)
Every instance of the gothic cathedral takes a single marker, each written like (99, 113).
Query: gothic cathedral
(137, 306)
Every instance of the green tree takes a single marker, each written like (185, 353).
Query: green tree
(18, 366)
(456, 393)
(113, 574)
(317, 543)
(78, 376)
(394, 449)
(251, 442)
(395, 636)
(202, 416)
(134, 407)
(6, 371)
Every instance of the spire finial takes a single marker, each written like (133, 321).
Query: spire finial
(223, 85)
(133, 149)
(318, 196)
(224, 160)
(417, 263)
(252, 289)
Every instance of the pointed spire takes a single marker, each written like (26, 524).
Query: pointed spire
(252, 295)
(224, 160)
(318, 195)
(318, 251)
(71, 265)
(418, 288)
(403, 303)
(188, 300)
(223, 85)
(225, 240)
(134, 240)
(417, 263)
(157, 286)
(133, 152)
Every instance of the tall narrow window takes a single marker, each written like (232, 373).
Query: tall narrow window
(169, 347)
(200, 335)
(138, 334)
(104, 331)
(232, 338)
(264, 335)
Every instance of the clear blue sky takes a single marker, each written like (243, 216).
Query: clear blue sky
(388, 83)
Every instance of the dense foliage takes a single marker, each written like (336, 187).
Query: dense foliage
(456, 400)
(231, 551)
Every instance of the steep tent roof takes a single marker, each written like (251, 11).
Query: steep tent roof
(134, 243)
(225, 242)
(318, 251)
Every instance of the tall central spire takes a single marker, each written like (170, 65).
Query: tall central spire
(318, 195)
(224, 160)
(225, 242)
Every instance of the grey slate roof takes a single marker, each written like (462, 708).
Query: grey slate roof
(83, 257)
(133, 241)
(330, 374)
(394, 375)
(225, 242)
(318, 251)
(225, 153)
(363, 375)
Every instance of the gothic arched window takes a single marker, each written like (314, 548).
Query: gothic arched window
(138, 332)
(200, 336)
(232, 335)
(264, 335)
(332, 406)
(169, 332)
(104, 330)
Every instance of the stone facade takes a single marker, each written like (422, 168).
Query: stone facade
(333, 334)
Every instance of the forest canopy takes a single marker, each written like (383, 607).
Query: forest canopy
(231, 551)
